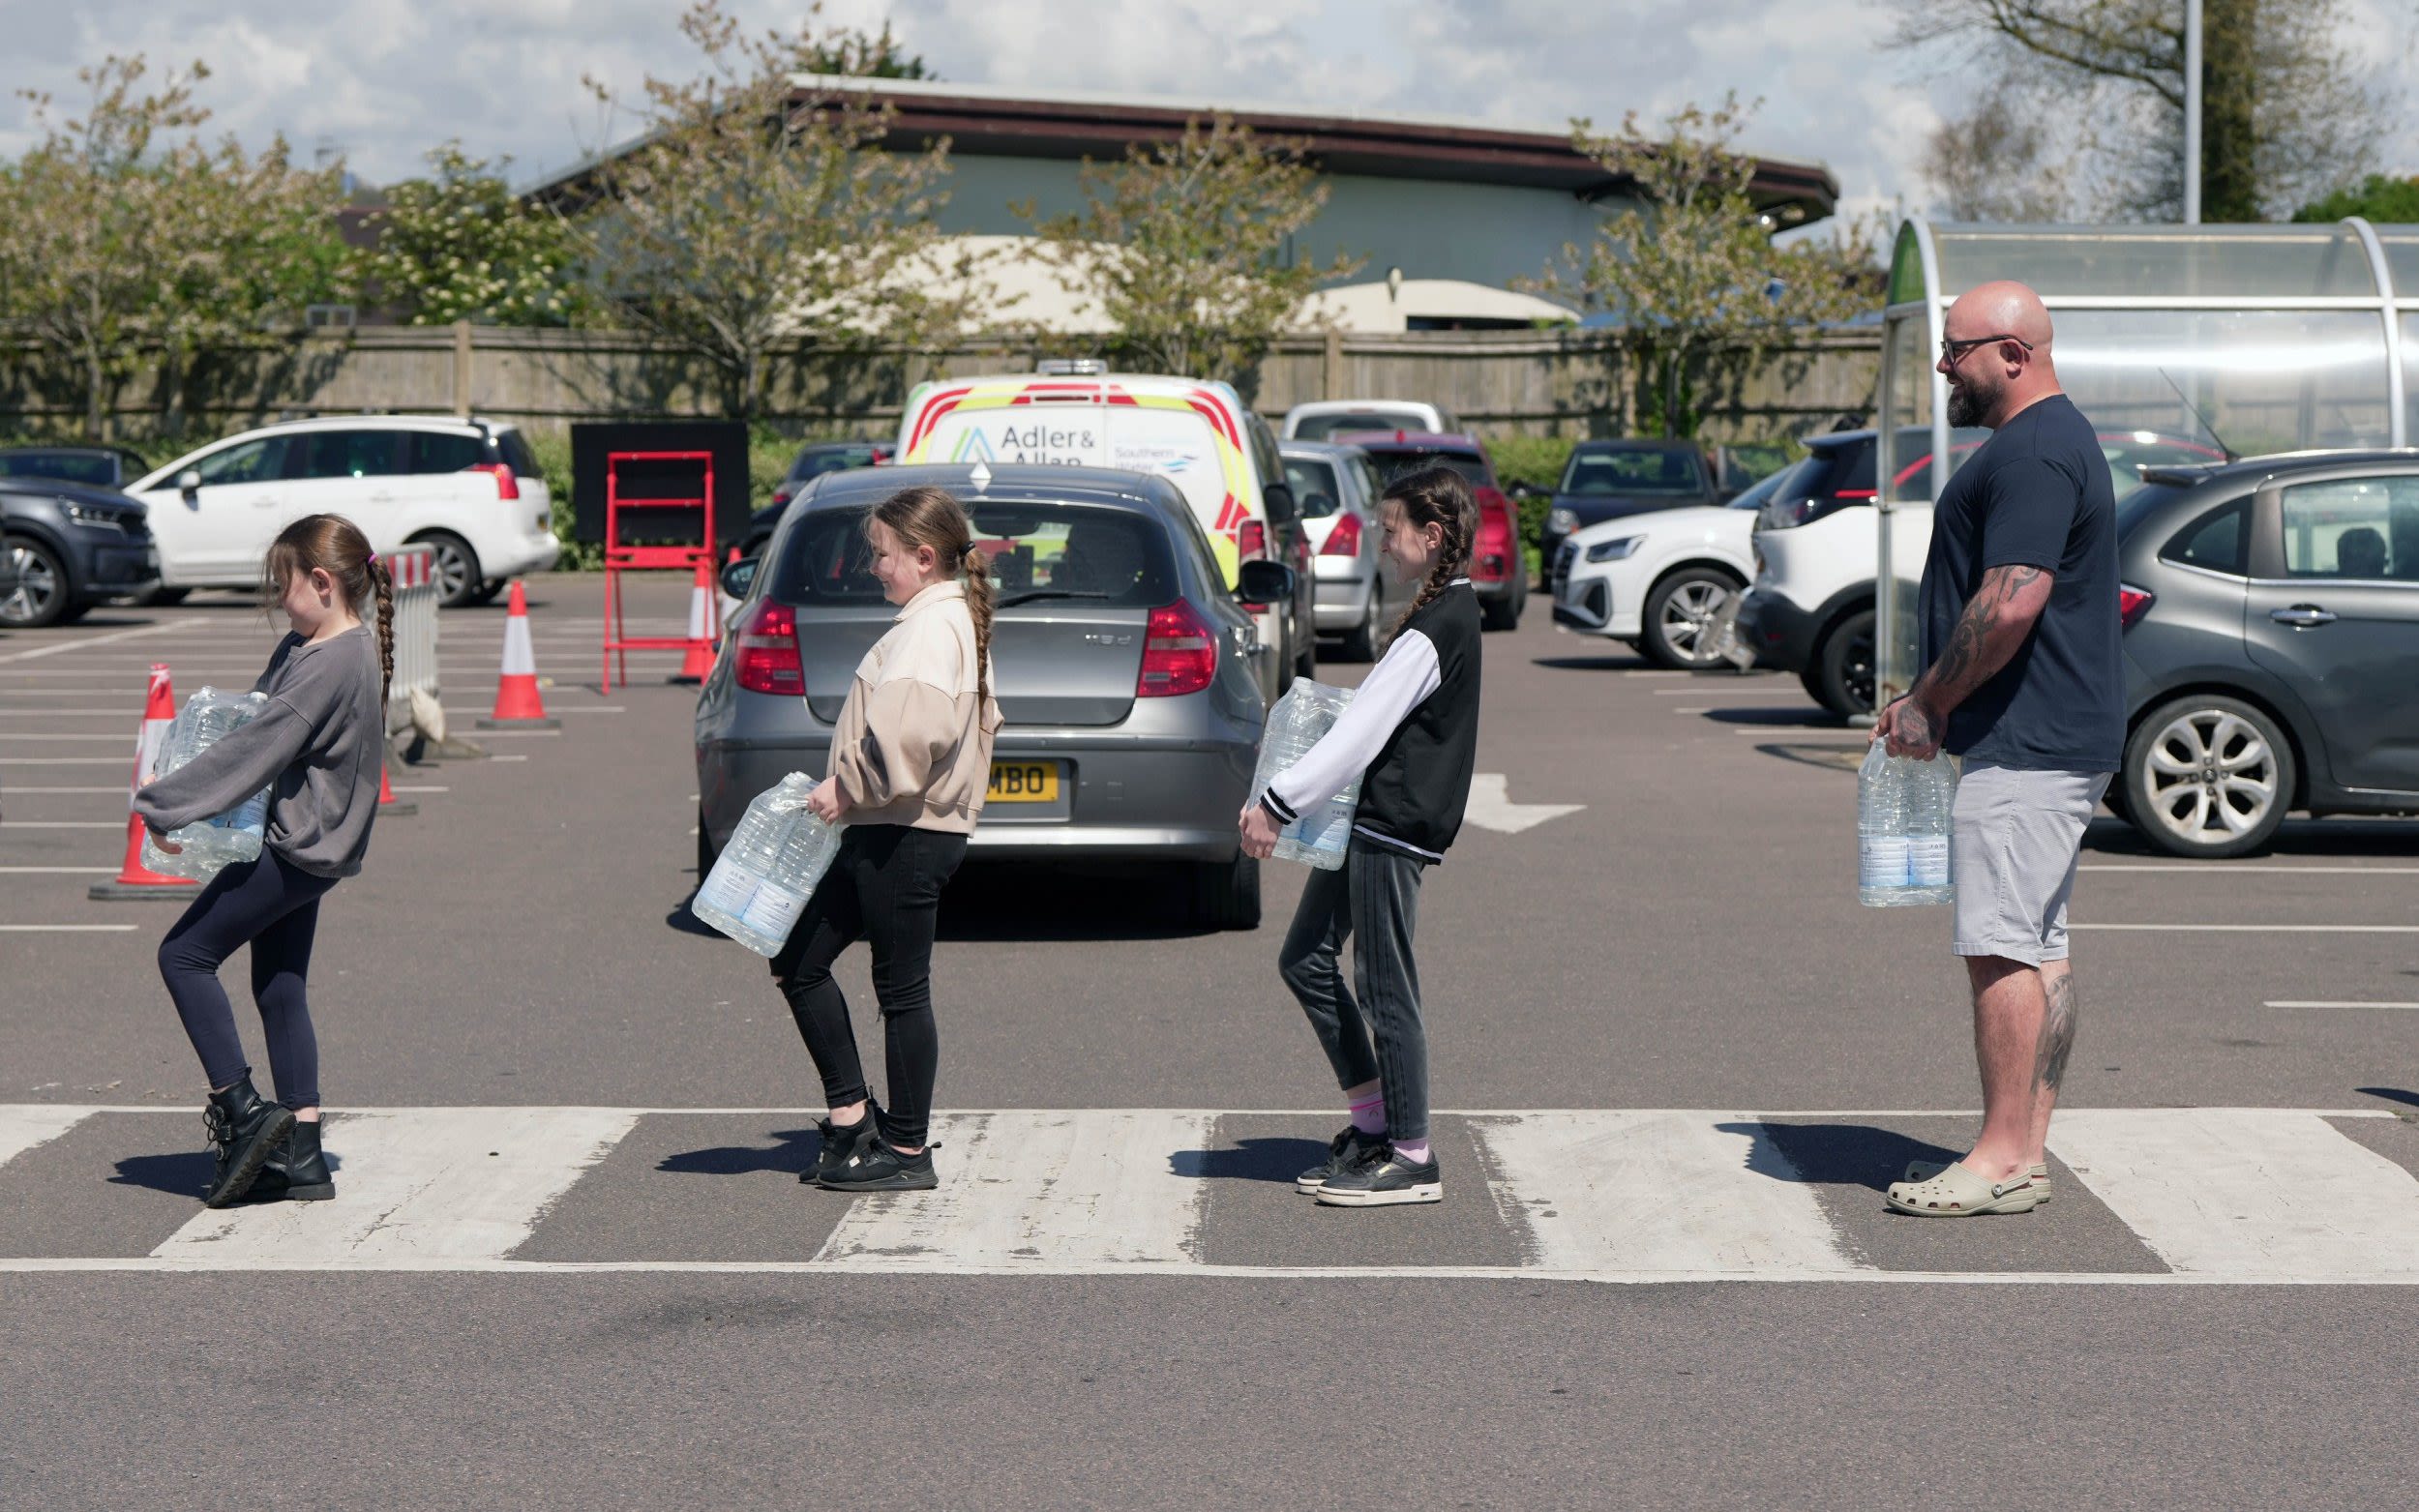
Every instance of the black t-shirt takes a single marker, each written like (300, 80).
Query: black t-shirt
(2037, 495)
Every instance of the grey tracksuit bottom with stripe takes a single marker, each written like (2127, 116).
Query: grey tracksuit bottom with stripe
(1373, 898)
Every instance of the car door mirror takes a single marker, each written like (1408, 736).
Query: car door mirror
(1265, 582)
(189, 482)
(741, 575)
(1279, 499)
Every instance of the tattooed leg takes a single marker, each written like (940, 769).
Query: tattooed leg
(2008, 1013)
(2060, 1013)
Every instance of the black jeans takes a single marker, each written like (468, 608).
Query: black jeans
(1374, 898)
(884, 887)
(274, 904)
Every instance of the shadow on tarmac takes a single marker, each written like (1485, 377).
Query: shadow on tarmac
(796, 1151)
(1593, 663)
(1250, 1160)
(185, 1174)
(2392, 1094)
(1835, 1154)
(2337, 836)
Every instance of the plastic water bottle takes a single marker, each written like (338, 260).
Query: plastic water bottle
(1323, 831)
(207, 846)
(761, 880)
(1902, 812)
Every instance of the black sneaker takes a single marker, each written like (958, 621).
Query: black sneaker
(875, 1166)
(1344, 1151)
(840, 1141)
(244, 1132)
(1382, 1178)
(296, 1173)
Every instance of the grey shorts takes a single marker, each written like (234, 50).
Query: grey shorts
(2013, 843)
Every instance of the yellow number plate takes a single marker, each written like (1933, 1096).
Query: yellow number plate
(1023, 781)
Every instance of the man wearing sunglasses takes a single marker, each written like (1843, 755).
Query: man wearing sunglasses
(2024, 680)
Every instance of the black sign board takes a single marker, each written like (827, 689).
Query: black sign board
(593, 442)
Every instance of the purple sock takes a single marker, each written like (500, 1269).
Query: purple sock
(1369, 1114)
(1412, 1152)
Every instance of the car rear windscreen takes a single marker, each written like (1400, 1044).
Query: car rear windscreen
(1393, 463)
(1641, 471)
(1039, 553)
(1314, 487)
(1318, 428)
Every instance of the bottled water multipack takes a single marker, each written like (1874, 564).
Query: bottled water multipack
(1297, 721)
(760, 883)
(207, 846)
(1902, 811)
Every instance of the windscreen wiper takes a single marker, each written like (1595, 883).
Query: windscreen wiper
(1030, 595)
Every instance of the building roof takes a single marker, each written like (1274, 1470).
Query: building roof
(982, 120)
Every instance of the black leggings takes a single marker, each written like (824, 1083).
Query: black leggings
(274, 906)
(884, 887)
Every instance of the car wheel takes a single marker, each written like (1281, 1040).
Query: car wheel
(1682, 614)
(706, 854)
(1226, 894)
(1842, 675)
(1361, 643)
(485, 592)
(1498, 613)
(74, 613)
(2207, 776)
(454, 570)
(162, 598)
(42, 587)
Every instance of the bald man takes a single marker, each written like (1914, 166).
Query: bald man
(2024, 680)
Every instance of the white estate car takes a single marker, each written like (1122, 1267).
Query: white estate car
(1667, 582)
(1320, 419)
(468, 489)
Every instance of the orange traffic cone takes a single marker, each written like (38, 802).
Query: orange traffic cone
(518, 705)
(388, 804)
(700, 658)
(135, 880)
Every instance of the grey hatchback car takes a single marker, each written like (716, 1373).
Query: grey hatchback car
(1132, 683)
(2271, 613)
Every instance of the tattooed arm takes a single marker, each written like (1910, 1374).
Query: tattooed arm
(1993, 626)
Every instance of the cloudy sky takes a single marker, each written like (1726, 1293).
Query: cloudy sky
(382, 80)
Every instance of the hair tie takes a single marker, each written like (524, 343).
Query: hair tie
(372, 560)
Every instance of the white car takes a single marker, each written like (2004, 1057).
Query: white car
(1667, 581)
(1321, 419)
(1336, 489)
(468, 489)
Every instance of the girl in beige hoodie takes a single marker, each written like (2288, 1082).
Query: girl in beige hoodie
(910, 759)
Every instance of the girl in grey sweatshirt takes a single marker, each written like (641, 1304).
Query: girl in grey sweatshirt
(318, 748)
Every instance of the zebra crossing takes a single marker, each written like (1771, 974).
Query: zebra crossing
(2211, 1196)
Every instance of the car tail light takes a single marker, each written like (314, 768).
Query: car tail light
(2133, 604)
(781, 496)
(1345, 539)
(1251, 541)
(1492, 552)
(767, 651)
(507, 486)
(1179, 653)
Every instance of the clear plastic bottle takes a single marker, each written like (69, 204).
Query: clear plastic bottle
(761, 880)
(1323, 831)
(206, 845)
(1902, 814)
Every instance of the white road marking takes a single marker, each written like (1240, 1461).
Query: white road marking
(58, 870)
(429, 1183)
(2286, 1002)
(518, 734)
(119, 759)
(2246, 1193)
(2223, 867)
(401, 788)
(9, 824)
(56, 647)
(1091, 1188)
(1650, 1191)
(15, 791)
(66, 713)
(2257, 929)
(1490, 806)
(523, 757)
(1734, 692)
(25, 1125)
(67, 929)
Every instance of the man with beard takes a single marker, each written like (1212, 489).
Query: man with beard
(2024, 678)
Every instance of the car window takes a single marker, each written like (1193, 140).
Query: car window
(2219, 540)
(1114, 556)
(261, 460)
(443, 451)
(66, 466)
(350, 454)
(515, 450)
(1372, 488)
(816, 462)
(1314, 487)
(1782, 482)
(1393, 463)
(1318, 428)
(2352, 528)
(1639, 471)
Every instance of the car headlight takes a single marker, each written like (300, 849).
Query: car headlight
(1561, 521)
(1613, 551)
(89, 515)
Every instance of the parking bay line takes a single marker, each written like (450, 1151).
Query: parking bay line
(2287, 1002)
(15, 790)
(56, 647)
(2256, 929)
(67, 929)
(8, 825)
(2220, 868)
(58, 870)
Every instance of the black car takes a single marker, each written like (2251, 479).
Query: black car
(72, 547)
(96, 466)
(2271, 613)
(812, 462)
(1607, 480)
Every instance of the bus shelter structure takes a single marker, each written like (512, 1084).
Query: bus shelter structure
(2245, 338)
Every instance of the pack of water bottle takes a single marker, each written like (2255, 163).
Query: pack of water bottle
(760, 882)
(1902, 812)
(206, 845)
(1324, 830)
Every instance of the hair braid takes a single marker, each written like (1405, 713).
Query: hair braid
(1437, 496)
(383, 581)
(979, 599)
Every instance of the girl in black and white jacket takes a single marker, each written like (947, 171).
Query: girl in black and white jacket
(1411, 733)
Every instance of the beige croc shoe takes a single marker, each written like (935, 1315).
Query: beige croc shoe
(1962, 1192)
(1925, 1169)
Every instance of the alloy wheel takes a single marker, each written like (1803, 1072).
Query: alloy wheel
(1691, 611)
(38, 586)
(449, 569)
(2211, 774)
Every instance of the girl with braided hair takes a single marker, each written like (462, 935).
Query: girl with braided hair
(1411, 735)
(318, 747)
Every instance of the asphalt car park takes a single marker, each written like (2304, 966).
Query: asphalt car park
(1648, 924)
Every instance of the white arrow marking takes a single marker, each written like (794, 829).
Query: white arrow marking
(1491, 806)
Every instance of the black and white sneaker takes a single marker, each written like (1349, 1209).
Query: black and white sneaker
(1344, 1151)
(1382, 1178)
(840, 1141)
(874, 1166)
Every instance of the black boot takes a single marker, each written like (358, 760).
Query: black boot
(296, 1171)
(245, 1131)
